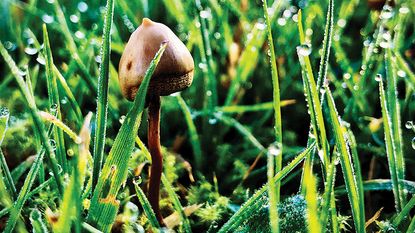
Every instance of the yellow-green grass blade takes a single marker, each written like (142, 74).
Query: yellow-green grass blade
(4, 123)
(311, 196)
(151, 216)
(104, 203)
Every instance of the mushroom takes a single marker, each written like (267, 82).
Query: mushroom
(174, 73)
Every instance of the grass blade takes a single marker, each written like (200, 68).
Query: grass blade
(251, 204)
(194, 137)
(352, 185)
(102, 102)
(104, 205)
(314, 225)
(54, 101)
(151, 216)
(390, 144)
(274, 188)
(4, 123)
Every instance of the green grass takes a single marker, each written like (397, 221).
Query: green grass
(298, 118)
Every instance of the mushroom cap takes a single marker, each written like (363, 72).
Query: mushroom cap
(174, 71)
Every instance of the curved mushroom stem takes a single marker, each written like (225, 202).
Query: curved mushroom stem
(156, 157)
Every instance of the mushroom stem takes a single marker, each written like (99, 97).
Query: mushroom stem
(156, 156)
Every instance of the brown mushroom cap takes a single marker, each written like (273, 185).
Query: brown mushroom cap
(174, 71)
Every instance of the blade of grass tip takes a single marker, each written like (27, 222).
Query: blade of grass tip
(59, 124)
(4, 123)
(314, 225)
(43, 136)
(251, 204)
(104, 205)
(390, 144)
(312, 96)
(411, 227)
(356, 201)
(194, 137)
(404, 214)
(102, 101)
(151, 216)
(274, 189)
(394, 109)
(38, 224)
(170, 191)
(54, 101)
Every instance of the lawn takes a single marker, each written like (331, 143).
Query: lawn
(213, 116)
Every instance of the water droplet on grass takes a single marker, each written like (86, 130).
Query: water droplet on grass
(74, 18)
(4, 112)
(30, 50)
(82, 7)
(409, 124)
(413, 143)
(52, 144)
(47, 18)
(387, 12)
(304, 50)
(378, 77)
(401, 73)
(70, 152)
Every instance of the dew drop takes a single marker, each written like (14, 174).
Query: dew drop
(275, 149)
(47, 18)
(387, 12)
(64, 100)
(341, 23)
(205, 14)
(79, 35)
(378, 78)
(9, 45)
(401, 73)
(281, 21)
(413, 143)
(30, 50)
(304, 49)
(70, 152)
(213, 121)
(74, 18)
(82, 7)
(122, 119)
(347, 76)
(40, 59)
(53, 108)
(409, 124)
(261, 26)
(52, 144)
(404, 10)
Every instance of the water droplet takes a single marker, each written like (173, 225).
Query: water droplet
(260, 26)
(40, 59)
(78, 140)
(30, 50)
(275, 149)
(404, 10)
(9, 45)
(203, 66)
(79, 35)
(347, 76)
(287, 13)
(401, 73)
(309, 32)
(98, 59)
(281, 21)
(205, 14)
(122, 119)
(52, 144)
(50, 1)
(409, 124)
(47, 18)
(413, 143)
(356, 87)
(387, 12)
(64, 100)
(213, 121)
(82, 7)
(74, 18)
(304, 49)
(344, 85)
(378, 77)
(70, 152)
(341, 23)
(53, 108)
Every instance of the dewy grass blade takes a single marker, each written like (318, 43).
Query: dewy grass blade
(404, 213)
(379, 185)
(395, 117)
(194, 137)
(54, 101)
(104, 205)
(44, 138)
(349, 173)
(253, 108)
(59, 124)
(312, 96)
(390, 144)
(102, 101)
(274, 188)
(251, 204)
(151, 216)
